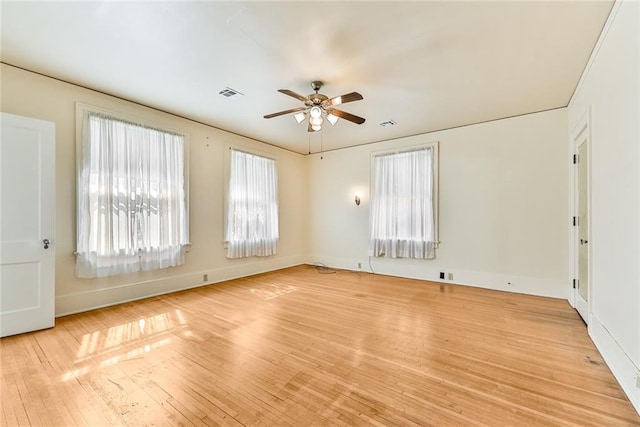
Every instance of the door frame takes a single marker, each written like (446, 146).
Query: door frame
(581, 134)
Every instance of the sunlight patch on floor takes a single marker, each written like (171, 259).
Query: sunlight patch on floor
(273, 290)
(115, 344)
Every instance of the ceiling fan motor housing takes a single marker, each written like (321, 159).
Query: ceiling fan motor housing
(317, 98)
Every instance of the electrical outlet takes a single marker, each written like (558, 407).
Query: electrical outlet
(360, 265)
(450, 276)
(442, 275)
(205, 277)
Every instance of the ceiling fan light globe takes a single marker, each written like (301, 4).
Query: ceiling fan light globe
(332, 119)
(300, 117)
(315, 112)
(316, 127)
(316, 121)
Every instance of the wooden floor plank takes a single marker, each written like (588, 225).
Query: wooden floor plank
(295, 347)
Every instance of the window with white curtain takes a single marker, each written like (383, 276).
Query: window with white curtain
(403, 204)
(252, 211)
(132, 204)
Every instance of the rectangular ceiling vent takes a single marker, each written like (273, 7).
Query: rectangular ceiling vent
(228, 92)
(387, 123)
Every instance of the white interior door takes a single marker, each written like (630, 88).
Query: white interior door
(582, 235)
(27, 257)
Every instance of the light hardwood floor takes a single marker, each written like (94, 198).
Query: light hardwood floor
(296, 347)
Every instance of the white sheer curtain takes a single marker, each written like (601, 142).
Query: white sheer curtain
(132, 212)
(402, 206)
(252, 220)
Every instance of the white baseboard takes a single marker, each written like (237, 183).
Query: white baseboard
(626, 373)
(416, 269)
(98, 298)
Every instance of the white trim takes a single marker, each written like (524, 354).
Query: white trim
(405, 149)
(581, 135)
(78, 302)
(81, 108)
(253, 153)
(621, 365)
(226, 171)
(434, 145)
(417, 269)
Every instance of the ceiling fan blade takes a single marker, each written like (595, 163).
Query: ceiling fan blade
(293, 94)
(343, 99)
(347, 116)
(309, 128)
(280, 113)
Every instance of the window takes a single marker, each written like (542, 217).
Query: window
(132, 206)
(252, 215)
(403, 214)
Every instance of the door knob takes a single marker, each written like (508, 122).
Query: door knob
(46, 243)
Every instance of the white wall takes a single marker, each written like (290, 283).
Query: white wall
(503, 206)
(610, 87)
(31, 95)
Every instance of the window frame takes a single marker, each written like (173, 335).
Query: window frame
(434, 145)
(82, 109)
(227, 177)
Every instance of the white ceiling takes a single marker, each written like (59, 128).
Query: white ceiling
(426, 65)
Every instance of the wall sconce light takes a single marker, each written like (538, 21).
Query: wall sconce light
(357, 200)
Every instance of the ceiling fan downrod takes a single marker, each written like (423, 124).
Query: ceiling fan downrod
(316, 86)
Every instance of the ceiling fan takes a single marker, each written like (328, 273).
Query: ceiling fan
(318, 107)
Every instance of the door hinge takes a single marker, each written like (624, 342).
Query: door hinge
(576, 221)
(576, 159)
(575, 283)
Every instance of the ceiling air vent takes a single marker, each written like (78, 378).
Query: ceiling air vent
(228, 92)
(387, 123)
